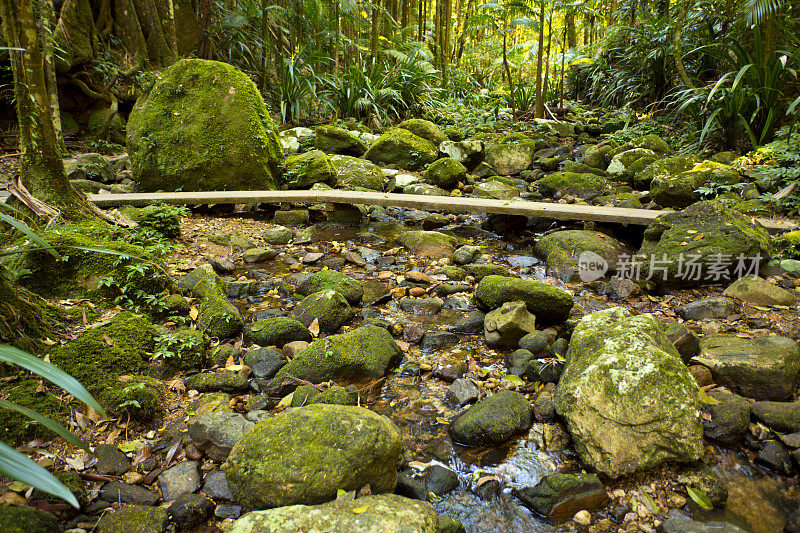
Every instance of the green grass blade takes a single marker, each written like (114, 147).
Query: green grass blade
(50, 372)
(46, 422)
(21, 226)
(15, 465)
(699, 498)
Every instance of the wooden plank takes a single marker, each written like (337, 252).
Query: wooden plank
(453, 204)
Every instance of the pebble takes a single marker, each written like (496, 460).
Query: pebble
(583, 518)
(133, 478)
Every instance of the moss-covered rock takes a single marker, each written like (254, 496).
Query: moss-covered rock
(711, 237)
(559, 184)
(219, 382)
(336, 395)
(680, 189)
(629, 402)
(425, 129)
(16, 428)
(203, 127)
(399, 148)
(622, 164)
(598, 156)
(27, 520)
(323, 280)
(445, 173)
(496, 189)
(333, 140)
(330, 447)
(161, 219)
(369, 514)
(481, 270)
(492, 421)
(431, 244)
(366, 352)
(329, 308)
(218, 317)
(135, 519)
(511, 154)
(304, 170)
(99, 355)
(663, 168)
(625, 200)
(562, 250)
(549, 304)
(75, 36)
(184, 349)
(72, 481)
(138, 396)
(353, 172)
(276, 331)
(581, 168)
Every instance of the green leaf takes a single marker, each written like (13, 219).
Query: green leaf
(648, 500)
(43, 420)
(22, 227)
(50, 372)
(705, 398)
(699, 498)
(14, 465)
(513, 379)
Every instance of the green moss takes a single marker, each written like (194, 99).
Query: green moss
(303, 395)
(425, 129)
(663, 168)
(355, 172)
(323, 280)
(18, 428)
(333, 140)
(184, 349)
(218, 317)
(203, 126)
(399, 148)
(428, 243)
(623, 199)
(598, 156)
(547, 303)
(328, 307)
(101, 354)
(581, 168)
(138, 396)
(134, 520)
(312, 167)
(334, 396)
(445, 172)
(73, 482)
(568, 183)
(26, 520)
(276, 331)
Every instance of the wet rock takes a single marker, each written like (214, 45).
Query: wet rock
(218, 382)
(778, 416)
(462, 392)
(481, 270)
(216, 486)
(470, 322)
(728, 420)
(264, 362)
(291, 217)
(687, 525)
(563, 250)
(439, 340)
(710, 231)
(277, 331)
(323, 280)
(279, 235)
(224, 512)
(453, 273)
(448, 289)
(215, 433)
(544, 370)
(111, 461)
(466, 254)
(537, 343)
(775, 457)
(707, 481)
(685, 341)
(363, 515)
(517, 361)
(493, 420)
(496, 189)
(758, 291)
(440, 480)
(190, 510)
(544, 408)
(118, 491)
(329, 308)
(555, 436)
(411, 485)
(618, 362)
(421, 306)
(469, 153)
(585, 186)
(218, 317)
(714, 307)
(450, 371)
(763, 368)
(559, 496)
(339, 447)
(258, 416)
(366, 352)
(136, 519)
(504, 327)
(183, 478)
(430, 244)
(222, 265)
(548, 304)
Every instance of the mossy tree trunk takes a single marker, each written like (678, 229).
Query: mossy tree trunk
(21, 316)
(41, 167)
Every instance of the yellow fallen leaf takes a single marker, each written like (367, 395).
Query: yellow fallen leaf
(359, 510)
(314, 327)
(194, 313)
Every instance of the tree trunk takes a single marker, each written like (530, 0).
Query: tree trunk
(41, 167)
(539, 109)
(375, 33)
(204, 18)
(447, 49)
(421, 21)
(547, 57)
(171, 39)
(569, 30)
(676, 45)
(338, 36)
(48, 14)
(564, 40)
(508, 70)
(158, 50)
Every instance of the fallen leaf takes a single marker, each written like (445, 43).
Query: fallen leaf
(107, 339)
(48, 341)
(359, 510)
(314, 327)
(487, 479)
(230, 362)
(177, 385)
(194, 313)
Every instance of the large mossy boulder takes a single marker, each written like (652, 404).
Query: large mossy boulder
(137, 397)
(511, 154)
(562, 251)
(323, 280)
(329, 308)
(445, 173)
(598, 156)
(560, 184)
(75, 36)
(203, 127)
(425, 129)
(662, 169)
(628, 400)
(721, 244)
(366, 352)
(496, 189)
(624, 165)
(549, 304)
(353, 172)
(432, 244)
(333, 140)
(399, 148)
(680, 189)
(276, 331)
(306, 455)
(304, 170)
(375, 513)
(492, 421)
(763, 368)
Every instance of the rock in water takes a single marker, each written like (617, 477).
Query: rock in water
(384, 513)
(203, 127)
(304, 456)
(549, 304)
(628, 400)
(493, 420)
